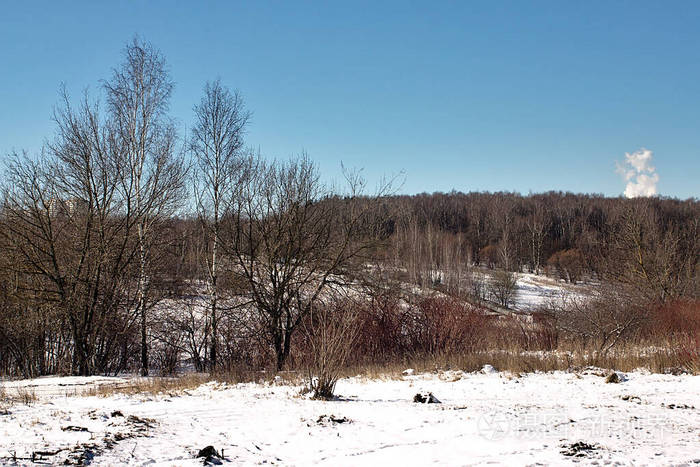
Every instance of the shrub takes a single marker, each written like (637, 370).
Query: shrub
(382, 326)
(610, 318)
(331, 331)
(446, 325)
(677, 318)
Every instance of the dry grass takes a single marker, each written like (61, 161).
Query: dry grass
(374, 371)
(155, 385)
(176, 385)
(21, 395)
(246, 375)
(4, 402)
(671, 357)
(26, 396)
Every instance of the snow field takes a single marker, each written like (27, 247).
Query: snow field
(485, 418)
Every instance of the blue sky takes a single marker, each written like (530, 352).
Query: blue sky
(518, 96)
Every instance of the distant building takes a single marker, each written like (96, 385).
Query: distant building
(66, 207)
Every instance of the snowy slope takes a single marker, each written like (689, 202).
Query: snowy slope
(484, 419)
(537, 292)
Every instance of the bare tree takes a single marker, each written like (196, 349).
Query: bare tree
(536, 233)
(611, 317)
(660, 262)
(476, 285)
(216, 144)
(503, 286)
(138, 95)
(182, 330)
(65, 221)
(290, 238)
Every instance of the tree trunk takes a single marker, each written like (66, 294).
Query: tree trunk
(214, 292)
(142, 302)
(282, 348)
(213, 347)
(144, 344)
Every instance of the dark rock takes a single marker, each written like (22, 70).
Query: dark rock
(612, 378)
(208, 451)
(678, 406)
(631, 398)
(211, 456)
(325, 419)
(578, 449)
(426, 399)
(74, 428)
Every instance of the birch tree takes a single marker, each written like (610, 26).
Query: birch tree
(138, 95)
(216, 144)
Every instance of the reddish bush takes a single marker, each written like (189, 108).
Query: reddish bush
(447, 325)
(544, 334)
(680, 317)
(520, 332)
(382, 324)
(390, 328)
(444, 325)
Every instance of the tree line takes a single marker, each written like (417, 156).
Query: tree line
(650, 244)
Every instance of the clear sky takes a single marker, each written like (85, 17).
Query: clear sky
(518, 96)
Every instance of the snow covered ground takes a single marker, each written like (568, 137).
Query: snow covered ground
(536, 292)
(484, 418)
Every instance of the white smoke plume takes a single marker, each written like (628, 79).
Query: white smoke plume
(640, 175)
